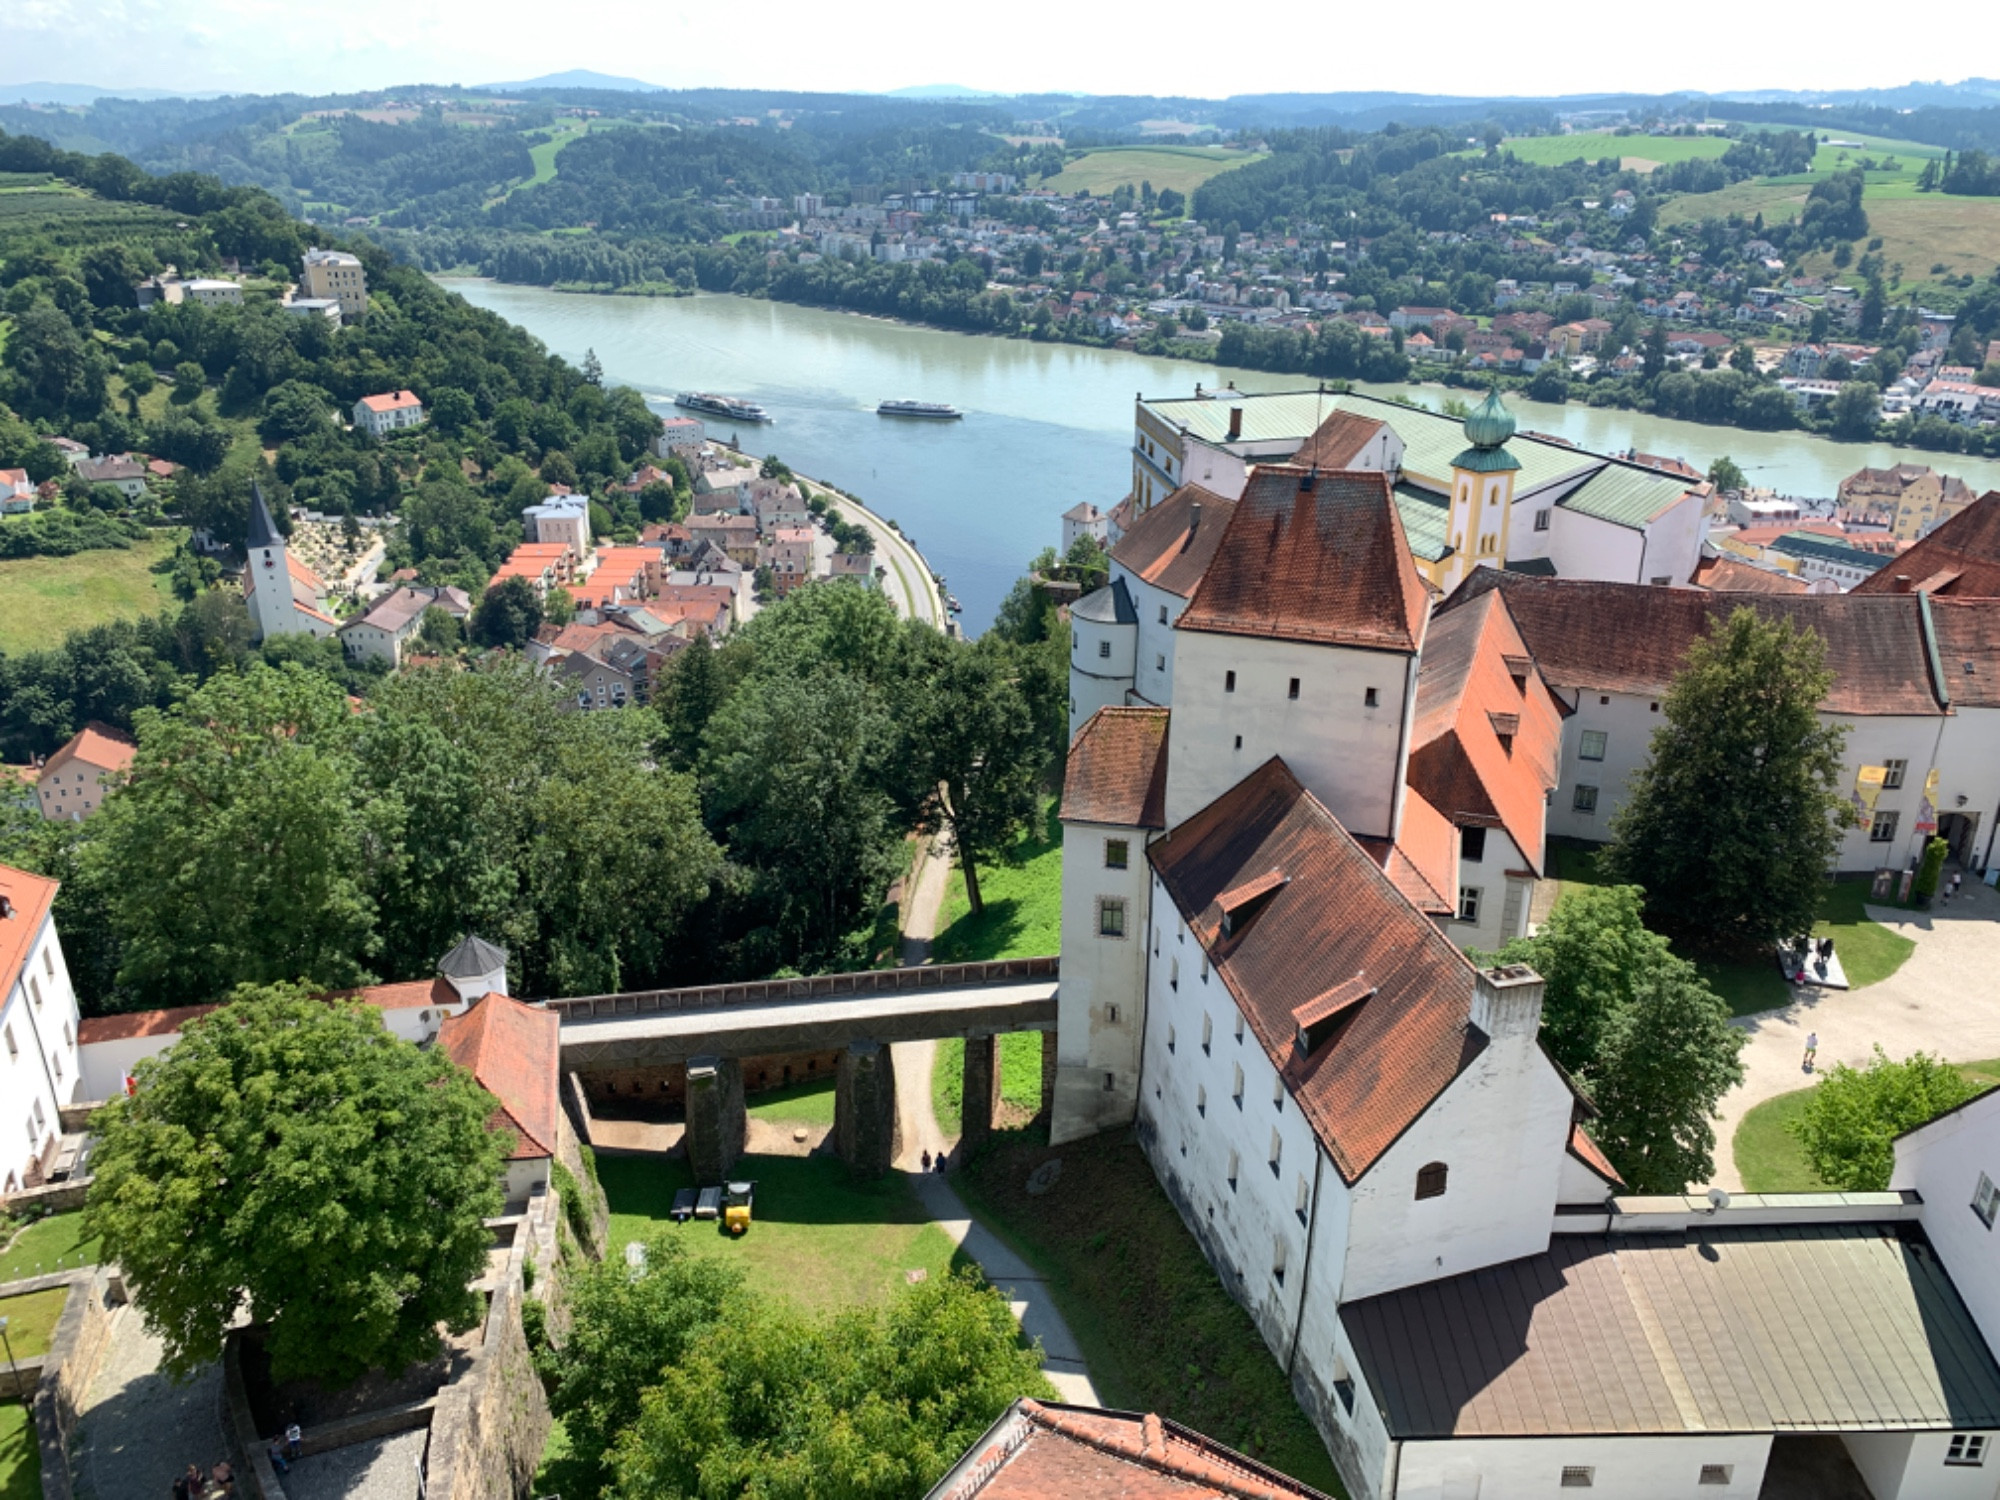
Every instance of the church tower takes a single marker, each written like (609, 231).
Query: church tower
(267, 574)
(1482, 494)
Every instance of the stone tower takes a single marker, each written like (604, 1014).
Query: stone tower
(1482, 494)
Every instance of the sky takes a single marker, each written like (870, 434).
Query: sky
(1168, 47)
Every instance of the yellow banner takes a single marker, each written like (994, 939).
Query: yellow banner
(1867, 787)
(1927, 815)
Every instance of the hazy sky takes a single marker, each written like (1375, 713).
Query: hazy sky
(1168, 47)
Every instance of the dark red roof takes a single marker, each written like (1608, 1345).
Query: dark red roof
(1732, 575)
(1339, 439)
(1170, 545)
(1968, 642)
(1963, 554)
(1337, 914)
(1633, 638)
(515, 1051)
(1587, 1151)
(1117, 770)
(138, 1023)
(1318, 558)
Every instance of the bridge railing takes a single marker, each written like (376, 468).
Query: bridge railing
(810, 987)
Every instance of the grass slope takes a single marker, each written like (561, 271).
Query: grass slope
(42, 599)
(1023, 895)
(1020, 1078)
(1768, 1156)
(1184, 168)
(818, 1237)
(52, 1244)
(20, 1454)
(1555, 150)
(31, 1320)
(1157, 1329)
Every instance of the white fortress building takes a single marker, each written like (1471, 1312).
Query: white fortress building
(1301, 784)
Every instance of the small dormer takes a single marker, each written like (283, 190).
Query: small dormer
(1326, 1015)
(474, 968)
(1240, 904)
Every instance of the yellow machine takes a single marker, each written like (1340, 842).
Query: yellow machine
(736, 1201)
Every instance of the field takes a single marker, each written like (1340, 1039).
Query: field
(1768, 1155)
(1183, 168)
(1020, 1079)
(31, 1320)
(1635, 150)
(1962, 234)
(42, 599)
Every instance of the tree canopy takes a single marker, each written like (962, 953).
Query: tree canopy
(1853, 1115)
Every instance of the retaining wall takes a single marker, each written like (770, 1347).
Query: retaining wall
(65, 1373)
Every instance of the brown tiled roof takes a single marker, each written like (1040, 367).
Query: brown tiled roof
(1631, 637)
(1339, 438)
(1423, 862)
(1587, 1151)
(1967, 546)
(1170, 545)
(1336, 914)
(1466, 699)
(1318, 558)
(137, 1023)
(1968, 642)
(98, 746)
(515, 1052)
(1732, 575)
(1118, 769)
(1045, 1451)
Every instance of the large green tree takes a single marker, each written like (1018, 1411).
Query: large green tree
(1733, 823)
(291, 1158)
(1853, 1115)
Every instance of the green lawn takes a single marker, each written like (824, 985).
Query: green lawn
(798, 1104)
(1556, 150)
(1158, 1331)
(42, 599)
(1869, 951)
(1023, 895)
(1183, 168)
(1768, 1156)
(20, 1454)
(51, 1244)
(31, 1320)
(1020, 1077)
(818, 1237)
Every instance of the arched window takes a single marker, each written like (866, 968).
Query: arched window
(1430, 1180)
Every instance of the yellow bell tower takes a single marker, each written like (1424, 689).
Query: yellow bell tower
(1482, 494)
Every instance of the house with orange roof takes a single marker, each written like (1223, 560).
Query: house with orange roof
(72, 782)
(40, 1072)
(17, 492)
(515, 1052)
(392, 412)
(543, 564)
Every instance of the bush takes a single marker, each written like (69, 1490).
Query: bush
(1851, 1121)
(1926, 884)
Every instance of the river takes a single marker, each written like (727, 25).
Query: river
(1046, 425)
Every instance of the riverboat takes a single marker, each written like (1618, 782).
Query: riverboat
(936, 410)
(722, 406)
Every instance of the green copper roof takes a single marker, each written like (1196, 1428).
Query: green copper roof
(1490, 424)
(1484, 460)
(1424, 515)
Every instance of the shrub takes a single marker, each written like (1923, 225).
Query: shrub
(1851, 1121)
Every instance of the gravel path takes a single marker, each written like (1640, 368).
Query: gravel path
(140, 1430)
(1940, 1001)
(385, 1469)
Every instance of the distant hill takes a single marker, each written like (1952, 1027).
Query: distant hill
(86, 93)
(941, 91)
(581, 78)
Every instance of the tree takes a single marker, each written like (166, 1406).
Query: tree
(292, 410)
(1733, 822)
(440, 631)
(686, 698)
(593, 368)
(1856, 407)
(292, 1158)
(1852, 1117)
(507, 615)
(189, 381)
(1726, 475)
(1589, 953)
(1653, 353)
(1743, 359)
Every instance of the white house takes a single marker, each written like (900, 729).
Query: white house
(515, 1052)
(211, 291)
(385, 632)
(563, 519)
(1084, 519)
(681, 435)
(334, 275)
(38, 1026)
(379, 416)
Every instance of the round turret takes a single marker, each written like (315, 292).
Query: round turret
(1488, 429)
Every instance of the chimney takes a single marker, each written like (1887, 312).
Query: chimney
(1507, 1002)
(1902, 582)
(1194, 516)
(1235, 423)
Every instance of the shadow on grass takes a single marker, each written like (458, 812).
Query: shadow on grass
(791, 1190)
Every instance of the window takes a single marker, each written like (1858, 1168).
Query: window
(1541, 520)
(1278, 1260)
(1472, 844)
(1111, 1015)
(1985, 1199)
(57, 1059)
(1653, 708)
(1201, 1100)
(1117, 853)
(1239, 1028)
(13, 1049)
(1883, 829)
(35, 989)
(1344, 1389)
(1277, 1152)
(1110, 1082)
(1239, 742)
(33, 1139)
(1234, 1163)
(1301, 1198)
(1893, 772)
(1591, 746)
(1661, 581)
(1110, 917)
(1430, 1180)
(1468, 903)
(1369, 699)
(1236, 1084)
(1104, 648)
(1204, 968)
(1170, 1037)
(1229, 682)
(1293, 690)
(1174, 974)
(1278, 1092)
(1967, 1449)
(67, 1042)
(1159, 661)
(1207, 1032)
(1578, 1476)
(1717, 1473)
(40, 1118)
(1163, 614)
(49, 962)
(1585, 800)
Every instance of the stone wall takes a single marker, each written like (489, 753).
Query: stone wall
(569, 1151)
(664, 1085)
(50, 1198)
(490, 1425)
(76, 1349)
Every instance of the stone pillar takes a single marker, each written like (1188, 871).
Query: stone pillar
(981, 1097)
(715, 1119)
(864, 1109)
(1048, 1109)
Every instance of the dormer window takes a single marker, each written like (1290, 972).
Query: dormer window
(1241, 903)
(1326, 1015)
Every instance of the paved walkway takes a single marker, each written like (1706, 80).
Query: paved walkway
(1940, 1001)
(140, 1431)
(385, 1469)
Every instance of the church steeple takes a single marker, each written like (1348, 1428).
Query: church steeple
(1482, 493)
(263, 530)
(267, 574)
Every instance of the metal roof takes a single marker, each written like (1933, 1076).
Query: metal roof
(1786, 1328)
(1266, 417)
(1808, 544)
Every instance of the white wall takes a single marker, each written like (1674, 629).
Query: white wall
(1155, 654)
(105, 1064)
(1488, 875)
(1969, 753)
(1673, 541)
(39, 1068)
(1351, 756)
(524, 1176)
(1097, 680)
(1911, 1466)
(1583, 546)
(1579, 1185)
(1943, 1161)
(1100, 1004)
(1626, 1468)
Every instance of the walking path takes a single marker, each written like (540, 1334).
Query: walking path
(140, 1431)
(1940, 1001)
(909, 580)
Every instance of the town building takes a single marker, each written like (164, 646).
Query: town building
(17, 492)
(1814, 557)
(682, 435)
(38, 1025)
(274, 582)
(313, 307)
(1959, 560)
(380, 416)
(788, 552)
(210, 291)
(514, 1051)
(120, 471)
(391, 624)
(543, 564)
(336, 276)
(1084, 519)
(1915, 497)
(563, 518)
(72, 782)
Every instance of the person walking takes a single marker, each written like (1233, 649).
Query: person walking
(1812, 1050)
(292, 1439)
(927, 1161)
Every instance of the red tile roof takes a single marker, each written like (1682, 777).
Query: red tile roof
(1170, 546)
(1631, 637)
(1117, 769)
(1466, 700)
(1587, 1151)
(1339, 439)
(1314, 558)
(515, 1052)
(98, 746)
(29, 898)
(394, 401)
(1336, 915)
(1731, 575)
(1423, 862)
(1968, 642)
(1967, 547)
(1045, 1451)
(138, 1023)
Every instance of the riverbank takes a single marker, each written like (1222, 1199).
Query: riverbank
(910, 582)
